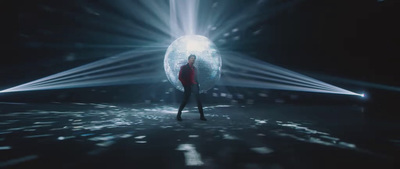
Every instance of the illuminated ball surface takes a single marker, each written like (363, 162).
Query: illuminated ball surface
(208, 60)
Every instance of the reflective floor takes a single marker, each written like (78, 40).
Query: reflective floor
(276, 136)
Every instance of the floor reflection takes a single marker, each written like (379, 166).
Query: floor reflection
(305, 134)
(99, 128)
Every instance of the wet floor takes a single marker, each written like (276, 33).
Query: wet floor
(276, 136)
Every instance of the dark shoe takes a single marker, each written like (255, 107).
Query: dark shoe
(178, 118)
(203, 118)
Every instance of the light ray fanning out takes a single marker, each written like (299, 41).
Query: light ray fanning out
(137, 66)
(243, 71)
(92, 73)
(272, 74)
(152, 26)
(183, 17)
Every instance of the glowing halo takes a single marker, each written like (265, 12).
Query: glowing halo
(208, 60)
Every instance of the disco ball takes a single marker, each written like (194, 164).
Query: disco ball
(208, 60)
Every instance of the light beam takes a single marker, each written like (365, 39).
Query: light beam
(152, 26)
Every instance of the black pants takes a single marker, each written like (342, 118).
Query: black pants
(188, 90)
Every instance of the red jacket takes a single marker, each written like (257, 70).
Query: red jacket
(187, 75)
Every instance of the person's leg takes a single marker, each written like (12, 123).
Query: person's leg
(186, 96)
(199, 105)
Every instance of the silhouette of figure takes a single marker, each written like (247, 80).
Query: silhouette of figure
(188, 78)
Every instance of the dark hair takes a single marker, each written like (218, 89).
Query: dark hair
(192, 56)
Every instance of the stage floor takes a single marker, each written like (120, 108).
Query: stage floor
(276, 136)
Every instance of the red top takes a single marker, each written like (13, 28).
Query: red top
(187, 75)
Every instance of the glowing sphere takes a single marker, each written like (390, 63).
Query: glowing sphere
(208, 60)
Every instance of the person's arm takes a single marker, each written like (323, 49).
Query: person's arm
(182, 75)
(196, 75)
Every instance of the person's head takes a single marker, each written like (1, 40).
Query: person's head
(191, 59)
